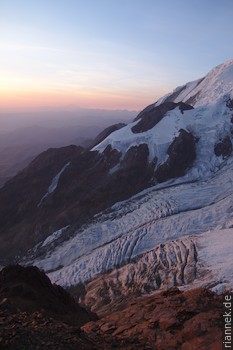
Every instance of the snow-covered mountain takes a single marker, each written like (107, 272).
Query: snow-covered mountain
(209, 122)
(148, 207)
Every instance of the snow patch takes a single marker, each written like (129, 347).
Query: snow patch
(53, 184)
(54, 236)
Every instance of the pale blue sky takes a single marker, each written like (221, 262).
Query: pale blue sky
(107, 54)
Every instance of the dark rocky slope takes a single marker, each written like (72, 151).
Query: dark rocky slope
(30, 290)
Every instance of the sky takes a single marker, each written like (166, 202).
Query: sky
(108, 54)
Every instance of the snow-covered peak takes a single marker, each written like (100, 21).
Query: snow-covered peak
(217, 83)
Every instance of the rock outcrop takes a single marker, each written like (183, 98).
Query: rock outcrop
(152, 115)
(181, 154)
(223, 148)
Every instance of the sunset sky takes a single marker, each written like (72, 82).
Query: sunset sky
(111, 54)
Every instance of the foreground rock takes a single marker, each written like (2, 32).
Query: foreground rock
(170, 320)
(34, 314)
(21, 330)
(30, 290)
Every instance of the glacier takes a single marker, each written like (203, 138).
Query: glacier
(137, 225)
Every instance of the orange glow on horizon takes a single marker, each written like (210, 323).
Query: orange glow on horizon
(19, 92)
(35, 99)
